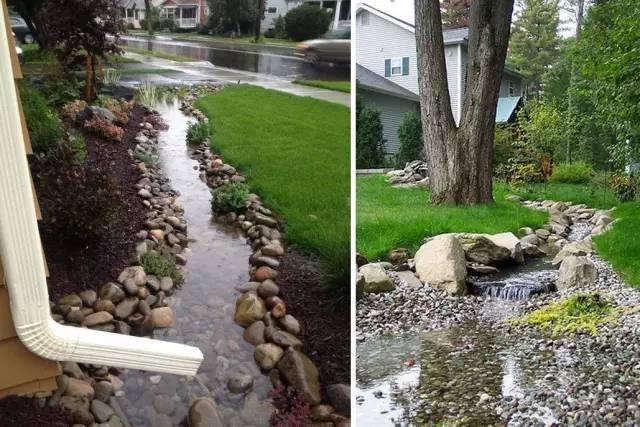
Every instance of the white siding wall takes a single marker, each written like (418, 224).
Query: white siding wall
(282, 7)
(381, 39)
(392, 109)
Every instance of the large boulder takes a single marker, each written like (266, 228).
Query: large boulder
(576, 272)
(577, 248)
(441, 263)
(375, 279)
(511, 242)
(481, 249)
(301, 373)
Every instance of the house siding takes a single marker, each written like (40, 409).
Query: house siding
(397, 42)
(392, 109)
(282, 7)
(504, 85)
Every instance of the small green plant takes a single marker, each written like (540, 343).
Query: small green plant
(147, 94)
(580, 313)
(161, 264)
(78, 144)
(145, 158)
(411, 143)
(42, 122)
(111, 76)
(573, 173)
(231, 197)
(197, 133)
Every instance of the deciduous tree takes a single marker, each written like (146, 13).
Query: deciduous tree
(460, 157)
(455, 13)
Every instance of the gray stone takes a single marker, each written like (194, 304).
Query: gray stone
(98, 318)
(204, 413)
(101, 411)
(576, 272)
(130, 286)
(481, 249)
(441, 263)
(340, 397)
(72, 300)
(254, 334)
(409, 278)
(240, 382)
(88, 297)
(375, 279)
(112, 292)
(285, 339)
(290, 324)
(301, 373)
(166, 284)
(267, 289)
(126, 307)
(103, 391)
(268, 355)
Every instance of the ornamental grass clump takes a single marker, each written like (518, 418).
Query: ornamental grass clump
(230, 197)
(161, 264)
(197, 133)
(581, 313)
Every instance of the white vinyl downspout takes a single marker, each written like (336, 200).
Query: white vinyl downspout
(23, 265)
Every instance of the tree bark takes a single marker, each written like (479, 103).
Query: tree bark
(258, 20)
(460, 157)
(147, 15)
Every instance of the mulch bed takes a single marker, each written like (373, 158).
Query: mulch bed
(74, 266)
(24, 412)
(325, 324)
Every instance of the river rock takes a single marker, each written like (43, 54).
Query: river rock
(162, 317)
(532, 251)
(254, 334)
(112, 292)
(204, 413)
(272, 250)
(240, 382)
(340, 397)
(136, 273)
(249, 308)
(75, 316)
(530, 239)
(98, 318)
(285, 340)
(166, 284)
(105, 305)
(511, 242)
(576, 272)
(375, 279)
(268, 355)
(126, 307)
(409, 278)
(88, 297)
(267, 289)
(71, 300)
(79, 388)
(301, 373)
(441, 263)
(290, 324)
(480, 248)
(103, 390)
(264, 273)
(101, 411)
(398, 256)
(130, 286)
(578, 248)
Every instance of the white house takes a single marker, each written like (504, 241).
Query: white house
(188, 14)
(340, 11)
(387, 73)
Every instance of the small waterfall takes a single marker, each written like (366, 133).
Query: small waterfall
(579, 231)
(516, 286)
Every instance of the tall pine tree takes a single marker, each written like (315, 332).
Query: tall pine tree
(535, 44)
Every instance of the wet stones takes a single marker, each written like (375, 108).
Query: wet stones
(239, 382)
(301, 373)
(204, 413)
(249, 309)
(126, 307)
(267, 289)
(162, 317)
(254, 334)
(265, 273)
(112, 292)
(98, 318)
(268, 355)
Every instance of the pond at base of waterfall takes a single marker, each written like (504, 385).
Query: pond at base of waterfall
(203, 308)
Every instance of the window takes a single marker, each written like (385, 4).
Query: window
(512, 89)
(364, 18)
(272, 10)
(396, 67)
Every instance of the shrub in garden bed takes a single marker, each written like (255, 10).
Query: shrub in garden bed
(45, 128)
(104, 128)
(72, 110)
(231, 197)
(78, 201)
(572, 173)
(197, 133)
(161, 264)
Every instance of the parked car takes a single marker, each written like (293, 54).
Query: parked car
(20, 29)
(19, 51)
(335, 46)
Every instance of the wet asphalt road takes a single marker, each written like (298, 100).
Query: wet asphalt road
(272, 61)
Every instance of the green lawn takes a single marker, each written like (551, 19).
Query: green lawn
(389, 217)
(295, 154)
(339, 85)
(621, 245)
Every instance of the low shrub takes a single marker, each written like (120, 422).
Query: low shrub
(161, 264)
(291, 406)
(580, 313)
(120, 108)
(104, 129)
(71, 110)
(280, 30)
(572, 173)
(45, 128)
(411, 143)
(60, 88)
(168, 24)
(197, 133)
(369, 138)
(231, 197)
(306, 22)
(626, 187)
(77, 201)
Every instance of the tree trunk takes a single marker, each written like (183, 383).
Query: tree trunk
(259, 20)
(460, 157)
(147, 15)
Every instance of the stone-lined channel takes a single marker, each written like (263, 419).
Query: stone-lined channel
(203, 308)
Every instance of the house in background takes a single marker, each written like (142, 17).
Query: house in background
(340, 11)
(387, 73)
(187, 14)
(132, 11)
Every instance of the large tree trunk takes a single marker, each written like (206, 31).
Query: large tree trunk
(147, 15)
(460, 157)
(258, 22)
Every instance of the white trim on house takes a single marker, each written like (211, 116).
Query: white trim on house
(23, 265)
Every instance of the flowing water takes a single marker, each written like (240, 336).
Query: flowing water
(203, 308)
(459, 373)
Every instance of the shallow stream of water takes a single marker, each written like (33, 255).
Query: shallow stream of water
(203, 307)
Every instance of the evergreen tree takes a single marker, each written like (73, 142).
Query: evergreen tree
(535, 44)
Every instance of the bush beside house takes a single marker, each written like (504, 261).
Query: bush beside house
(306, 22)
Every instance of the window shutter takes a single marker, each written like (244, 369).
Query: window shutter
(405, 66)
(387, 68)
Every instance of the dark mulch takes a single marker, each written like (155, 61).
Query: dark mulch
(23, 412)
(74, 266)
(325, 324)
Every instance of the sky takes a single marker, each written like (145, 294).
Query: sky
(403, 9)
